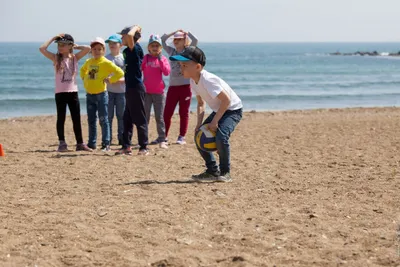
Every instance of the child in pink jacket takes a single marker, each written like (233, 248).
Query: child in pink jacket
(154, 66)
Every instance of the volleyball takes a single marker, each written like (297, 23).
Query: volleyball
(205, 139)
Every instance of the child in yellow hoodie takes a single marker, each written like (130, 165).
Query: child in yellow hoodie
(96, 73)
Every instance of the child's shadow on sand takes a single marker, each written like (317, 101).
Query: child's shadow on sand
(66, 154)
(143, 182)
(58, 156)
(43, 151)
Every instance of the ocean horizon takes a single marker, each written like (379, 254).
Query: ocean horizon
(267, 76)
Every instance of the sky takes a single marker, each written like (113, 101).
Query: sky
(209, 20)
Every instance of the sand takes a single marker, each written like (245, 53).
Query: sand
(311, 188)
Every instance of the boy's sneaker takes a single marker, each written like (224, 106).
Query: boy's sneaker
(137, 146)
(92, 146)
(155, 142)
(62, 147)
(181, 140)
(225, 178)
(124, 151)
(163, 145)
(143, 152)
(206, 177)
(105, 148)
(83, 147)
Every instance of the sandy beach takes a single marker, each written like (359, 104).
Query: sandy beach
(310, 188)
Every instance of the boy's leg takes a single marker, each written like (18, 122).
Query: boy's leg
(170, 105)
(128, 118)
(120, 107)
(148, 101)
(208, 157)
(139, 116)
(185, 97)
(226, 126)
(91, 105)
(159, 103)
(103, 117)
(61, 104)
(111, 106)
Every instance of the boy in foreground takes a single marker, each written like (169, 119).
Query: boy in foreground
(227, 111)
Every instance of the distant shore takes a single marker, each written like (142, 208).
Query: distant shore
(366, 53)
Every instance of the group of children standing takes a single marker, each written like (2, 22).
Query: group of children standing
(115, 83)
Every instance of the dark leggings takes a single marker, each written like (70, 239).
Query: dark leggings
(135, 114)
(72, 100)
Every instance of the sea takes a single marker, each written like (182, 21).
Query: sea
(266, 76)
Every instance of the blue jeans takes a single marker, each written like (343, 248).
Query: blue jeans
(98, 103)
(226, 126)
(117, 103)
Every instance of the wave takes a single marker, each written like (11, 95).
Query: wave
(31, 101)
(252, 97)
(317, 84)
(260, 98)
(313, 93)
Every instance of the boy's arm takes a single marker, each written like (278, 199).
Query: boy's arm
(115, 71)
(201, 108)
(83, 70)
(164, 65)
(194, 39)
(45, 52)
(131, 34)
(225, 102)
(85, 49)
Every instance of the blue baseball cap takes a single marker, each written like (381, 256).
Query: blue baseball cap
(191, 53)
(114, 38)
(155, 38)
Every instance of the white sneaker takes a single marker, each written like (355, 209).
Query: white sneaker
(143, 152)
(164, 145)
(181, 140)
(137, 146)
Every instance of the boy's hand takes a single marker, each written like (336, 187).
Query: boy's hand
(213, 126)
(135, 28)
(197, 128)
(106, 80)
(138, 28)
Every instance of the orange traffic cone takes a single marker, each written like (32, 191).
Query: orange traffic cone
(2, 154)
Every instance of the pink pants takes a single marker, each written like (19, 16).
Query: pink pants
(178, 94)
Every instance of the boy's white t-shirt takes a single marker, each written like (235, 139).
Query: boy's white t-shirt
(210, 86)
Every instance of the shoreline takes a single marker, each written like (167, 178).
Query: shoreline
(289, 111)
